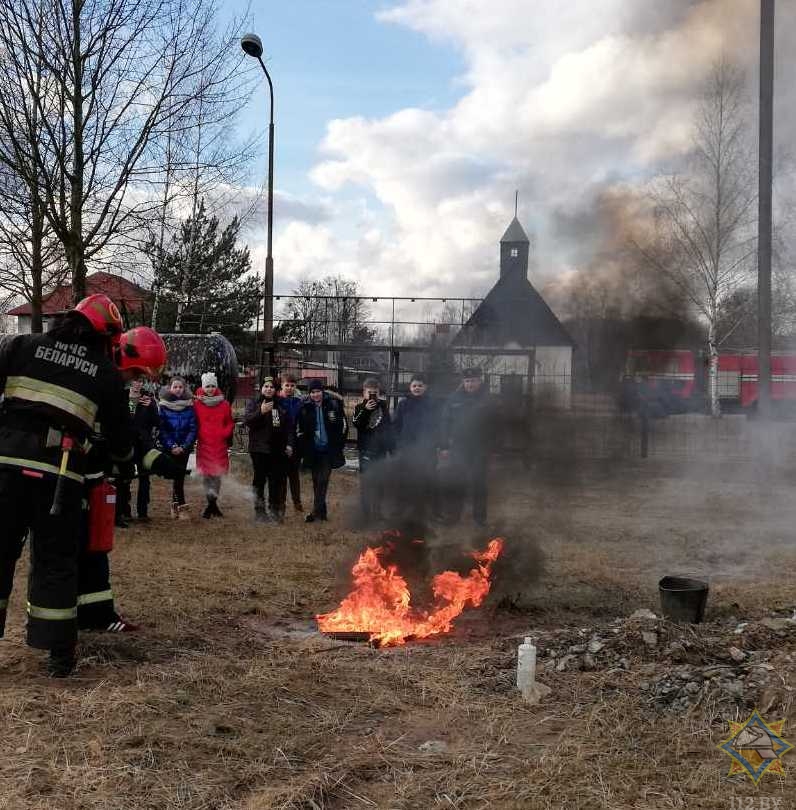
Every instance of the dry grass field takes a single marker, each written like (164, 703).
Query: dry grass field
(227, 700)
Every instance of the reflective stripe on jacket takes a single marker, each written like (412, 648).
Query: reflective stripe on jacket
(49, 388)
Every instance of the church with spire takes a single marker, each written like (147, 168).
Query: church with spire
(514, 316)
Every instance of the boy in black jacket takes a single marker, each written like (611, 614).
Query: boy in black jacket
(466, 437)
(416, 420)
(145, 419)
(319, 439)
(416, 430)
(374, 442)
(269, 432)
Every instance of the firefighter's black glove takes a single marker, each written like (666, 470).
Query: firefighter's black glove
(165, 467)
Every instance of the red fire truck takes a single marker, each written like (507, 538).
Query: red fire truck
(679, 377)
(669, 378)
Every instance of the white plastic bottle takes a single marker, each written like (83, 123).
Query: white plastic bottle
(526, 667)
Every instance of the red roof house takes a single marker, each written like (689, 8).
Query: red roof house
(131, 299)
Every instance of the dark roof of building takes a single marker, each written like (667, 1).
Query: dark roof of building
(513, 312)
(124, 293)
(515, 232)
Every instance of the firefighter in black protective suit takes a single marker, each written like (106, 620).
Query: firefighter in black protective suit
(141, 352)
(55, 387)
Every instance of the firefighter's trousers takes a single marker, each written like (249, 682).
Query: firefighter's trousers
(95, 608)
(25, 503)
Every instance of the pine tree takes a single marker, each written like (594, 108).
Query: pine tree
(202, 281)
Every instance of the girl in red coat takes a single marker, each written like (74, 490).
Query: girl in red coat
(214, 436)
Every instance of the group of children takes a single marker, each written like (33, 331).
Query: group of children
(184, 422)
(441, 447)
(286, 430)
(440, 451)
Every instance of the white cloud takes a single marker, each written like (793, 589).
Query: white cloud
(559, 100)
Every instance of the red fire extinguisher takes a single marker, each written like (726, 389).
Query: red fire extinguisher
(101, 517)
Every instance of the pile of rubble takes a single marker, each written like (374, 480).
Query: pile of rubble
(723, 665)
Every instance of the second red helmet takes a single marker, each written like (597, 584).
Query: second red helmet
(142, 349)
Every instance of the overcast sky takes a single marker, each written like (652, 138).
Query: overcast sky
(404, 128)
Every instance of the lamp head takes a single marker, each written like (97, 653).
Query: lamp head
(252, 45)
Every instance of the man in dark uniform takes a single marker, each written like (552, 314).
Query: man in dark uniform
(141, 352)
(467, 430)
(56, 386)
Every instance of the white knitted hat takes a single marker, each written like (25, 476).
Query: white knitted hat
(209, 380)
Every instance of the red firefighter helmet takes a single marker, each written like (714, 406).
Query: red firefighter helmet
(102, 314)
(142, 349)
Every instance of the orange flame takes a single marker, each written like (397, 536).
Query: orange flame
(380, 602)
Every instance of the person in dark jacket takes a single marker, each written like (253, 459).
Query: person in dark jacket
(56, 387)
(416, 418)
(269, 427)
(141, 351)
(177, 436)
(416, 430)
(292, 401)
(465, 441)
(319, 438)
(374, 444)
(146, 421)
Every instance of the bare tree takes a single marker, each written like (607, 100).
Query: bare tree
(31, 261)
(159, 226)
(330, 310)
(705, 236)
(6, 302)
(204, 160)
(116, 76)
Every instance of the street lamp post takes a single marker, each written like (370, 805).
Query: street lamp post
(764, 207)
(253, 46)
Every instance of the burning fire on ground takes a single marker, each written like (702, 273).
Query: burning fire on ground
(380, 602)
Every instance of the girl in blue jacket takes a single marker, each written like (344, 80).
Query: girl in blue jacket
(177, 436)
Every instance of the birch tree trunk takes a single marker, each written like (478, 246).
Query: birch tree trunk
(713, 371)
(705, 215)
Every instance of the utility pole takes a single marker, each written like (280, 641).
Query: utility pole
(766, 116)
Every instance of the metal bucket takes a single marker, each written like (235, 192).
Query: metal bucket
(683, 599)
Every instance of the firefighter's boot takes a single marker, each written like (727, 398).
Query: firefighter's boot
(62, 660)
